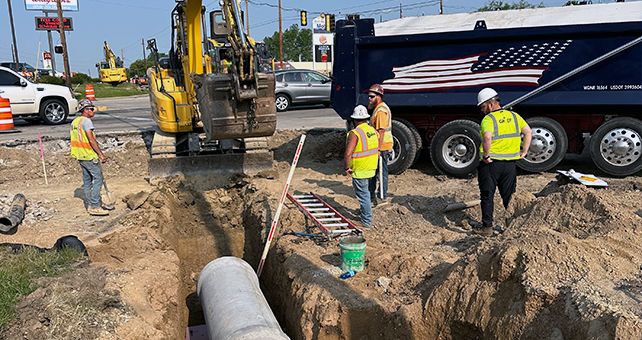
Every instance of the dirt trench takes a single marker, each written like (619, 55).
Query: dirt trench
(567, 266)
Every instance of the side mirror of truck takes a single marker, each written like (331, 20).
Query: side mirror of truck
(23, 83)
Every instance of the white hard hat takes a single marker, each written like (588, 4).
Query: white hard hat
(360, 112)
(486, 94)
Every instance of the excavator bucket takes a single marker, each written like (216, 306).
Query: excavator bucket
(230, 111)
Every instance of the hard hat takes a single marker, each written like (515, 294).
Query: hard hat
(376, 88)
(85, 103)
(485, 95)
(360, 112)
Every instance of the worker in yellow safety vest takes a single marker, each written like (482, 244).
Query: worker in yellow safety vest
(86, 150)
(381, 120)
(360, 159)
(502, 146)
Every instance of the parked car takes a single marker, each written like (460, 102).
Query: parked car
(51, 103)
(301, 87)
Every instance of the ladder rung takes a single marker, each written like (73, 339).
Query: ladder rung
(322, 214)
(303, 196)
(336, 225)
(342, 231)
(329, 219)
(318, 209)
(308, 200)
(312, 205)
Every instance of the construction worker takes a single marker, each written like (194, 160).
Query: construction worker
(360, 159)
(501, 132)
(86, 150)
(381, 120)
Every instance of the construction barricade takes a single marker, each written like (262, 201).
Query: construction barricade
(6, 117)
(89, 92)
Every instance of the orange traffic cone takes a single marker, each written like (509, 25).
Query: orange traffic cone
(6, 117)
(89, 92)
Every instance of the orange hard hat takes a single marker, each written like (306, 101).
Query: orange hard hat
(376, 88)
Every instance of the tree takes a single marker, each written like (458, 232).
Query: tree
(137, 68)
(577, 3)
(297, 44)
(495, 5)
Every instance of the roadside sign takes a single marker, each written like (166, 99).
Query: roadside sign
(318, 24)
(46, 55)
(52, 24)
(324, 58)
(322, 53)
(50, 5)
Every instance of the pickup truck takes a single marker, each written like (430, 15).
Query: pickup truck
(49, 103)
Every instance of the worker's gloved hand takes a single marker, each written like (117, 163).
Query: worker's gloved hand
(348, 172)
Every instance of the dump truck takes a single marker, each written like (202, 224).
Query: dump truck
(111, 70)
(212, 105)
(574, 73)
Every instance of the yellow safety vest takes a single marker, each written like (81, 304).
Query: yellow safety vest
(387, 135)
(80, 147)
(366, 153)
(507, 134)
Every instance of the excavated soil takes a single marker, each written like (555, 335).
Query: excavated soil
(568, 264)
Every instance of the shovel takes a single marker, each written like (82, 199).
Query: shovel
(108, 199)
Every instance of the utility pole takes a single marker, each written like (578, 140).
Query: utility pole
(51, 50)
(122, 56)
(144, 57)
(280, 36)
(441, 6)
(400, 11)
(247, 16)
(13, 34)
(63, 41)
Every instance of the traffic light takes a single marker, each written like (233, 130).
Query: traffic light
(58, 49)
(304, 18)
(329, 22)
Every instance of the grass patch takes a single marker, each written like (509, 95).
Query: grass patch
(18, 272)
(107, 90)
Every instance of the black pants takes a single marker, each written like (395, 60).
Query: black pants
(502, 174)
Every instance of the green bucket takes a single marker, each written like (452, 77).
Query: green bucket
(353, 251)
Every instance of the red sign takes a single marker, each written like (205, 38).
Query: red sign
(46, 55)
(324, 58)
(52, 24)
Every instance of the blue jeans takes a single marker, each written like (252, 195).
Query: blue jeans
(372, 185)
(92, 181)
(361, 190)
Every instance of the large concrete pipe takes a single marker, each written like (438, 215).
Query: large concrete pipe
(233, 304)
(16, 214)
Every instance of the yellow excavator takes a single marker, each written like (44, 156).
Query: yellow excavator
(212, 107)
(112, 70)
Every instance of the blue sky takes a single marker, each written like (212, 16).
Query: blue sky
(123, 23)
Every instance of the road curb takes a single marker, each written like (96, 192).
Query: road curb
(18, 142)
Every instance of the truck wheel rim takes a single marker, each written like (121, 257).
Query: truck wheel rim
(396, 150)
(281, 103)
(543, 146)
(621, 147)
(458, 151)
(54, 112)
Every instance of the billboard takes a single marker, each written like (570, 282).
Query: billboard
(50, 5)
(322, 53)
(52, 24)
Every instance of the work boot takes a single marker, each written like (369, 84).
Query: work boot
(97, 212)
(479, 229)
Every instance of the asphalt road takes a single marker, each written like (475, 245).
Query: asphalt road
(131, 114)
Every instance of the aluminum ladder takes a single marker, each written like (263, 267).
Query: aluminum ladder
(323, 215)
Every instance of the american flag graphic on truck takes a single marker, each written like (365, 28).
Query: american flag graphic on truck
(521, 65)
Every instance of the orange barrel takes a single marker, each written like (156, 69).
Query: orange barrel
(6, 117)
(89, 92)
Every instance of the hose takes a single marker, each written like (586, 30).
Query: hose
(16, 214)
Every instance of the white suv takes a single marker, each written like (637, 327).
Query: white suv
(51, 103)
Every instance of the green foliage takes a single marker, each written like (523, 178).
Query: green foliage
(137, 68)
(18, 273)
(80, 78)
(122, 90)
(496, 5)
(577, 3)
(51, 80)
(297, 43)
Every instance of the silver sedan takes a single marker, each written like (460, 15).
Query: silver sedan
(301, 87)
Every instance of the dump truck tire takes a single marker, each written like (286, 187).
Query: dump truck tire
(404, 149)
(616, 146)
(548, 146)
(454, 150)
